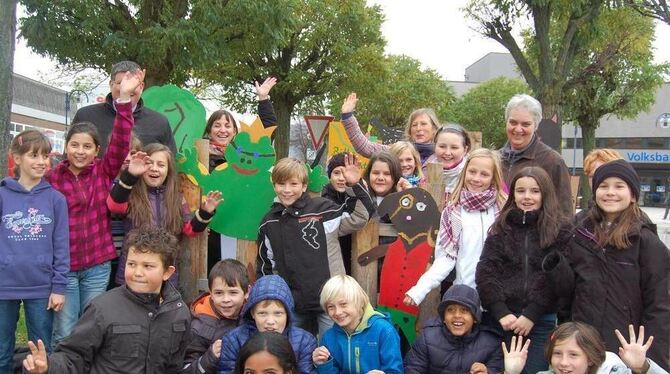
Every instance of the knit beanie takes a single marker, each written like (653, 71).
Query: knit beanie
(617, 168)
(463, 295)
(335, 161)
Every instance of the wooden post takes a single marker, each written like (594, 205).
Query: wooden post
(193, 262)
(361, 242)
(246, 254)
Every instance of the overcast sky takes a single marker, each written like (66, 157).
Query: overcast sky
(434, 32)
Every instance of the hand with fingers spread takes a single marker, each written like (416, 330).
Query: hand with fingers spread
(515, 358)
(634, 353)
(212, 200)
(139, 163)
(263, 90)
(507, 321)
(349, 104)
(130, 82)
(56, 302)
(36, 361)
(352, 169)
(320, 355)
(522, 326)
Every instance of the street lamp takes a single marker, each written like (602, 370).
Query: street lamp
(68, 98)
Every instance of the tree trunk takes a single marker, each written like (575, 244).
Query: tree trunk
(281, 134)
(7, 46)
(588, 143)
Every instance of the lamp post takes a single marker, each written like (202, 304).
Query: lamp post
(68, 98)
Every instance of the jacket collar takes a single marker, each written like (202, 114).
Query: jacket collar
(109, 103)
(297, 206)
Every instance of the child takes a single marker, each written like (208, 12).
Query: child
(382, 175)
(214, 314)
(410, 162)
(34, 253)
(420, 130)
(137, 328)
(509, 277)
(577, 348)
(156, 199)
(618, 268)
(269, 308)
(452, 144)
(297, 239)
(266, 352)
(362, 339)
(474, 204)
(84, 179)
(455, 342)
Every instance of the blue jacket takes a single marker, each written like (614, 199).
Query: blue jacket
(269, 287)
(437, 351)
(34, 241)
(375, 344)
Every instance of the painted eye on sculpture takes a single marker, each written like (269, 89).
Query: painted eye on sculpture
(406, 202)
(421, 207)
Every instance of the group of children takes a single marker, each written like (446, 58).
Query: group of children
(520, 254)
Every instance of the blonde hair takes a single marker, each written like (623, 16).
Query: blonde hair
(398, 148)
(422, 111)
(496, 180)
(346, 287)
(604, 155)
(288, 168)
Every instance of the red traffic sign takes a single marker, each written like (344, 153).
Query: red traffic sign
(318, 127)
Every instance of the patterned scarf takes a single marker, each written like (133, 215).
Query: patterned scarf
(451, 222)
(216, 148)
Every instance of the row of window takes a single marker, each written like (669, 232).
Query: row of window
(57, 138)
(622, 143)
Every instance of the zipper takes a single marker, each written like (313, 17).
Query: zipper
(358, 360)
(525, 261)
(349, 351)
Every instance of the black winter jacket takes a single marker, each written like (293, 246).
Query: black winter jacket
(437, 351)
(611, 288)
(509, 275)
(339, 198)
(123, 332)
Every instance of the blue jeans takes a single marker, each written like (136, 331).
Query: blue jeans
(82, 287)
(39, 321)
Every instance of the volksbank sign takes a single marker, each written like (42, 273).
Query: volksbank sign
(655, 156)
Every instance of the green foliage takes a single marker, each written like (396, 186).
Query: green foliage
(483, 109)
(400, 87)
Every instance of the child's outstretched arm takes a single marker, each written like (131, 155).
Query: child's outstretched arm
(203, 216)
(361, 144)
(265, 110)
(117, 201)
(364, 207)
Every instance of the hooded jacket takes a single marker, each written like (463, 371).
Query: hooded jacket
(269, 287)
(34, 241)
(374, 345)
(124, 332)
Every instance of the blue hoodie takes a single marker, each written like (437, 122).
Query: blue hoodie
(34, 241)
(269, 287)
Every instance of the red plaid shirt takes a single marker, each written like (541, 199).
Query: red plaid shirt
(86, 194)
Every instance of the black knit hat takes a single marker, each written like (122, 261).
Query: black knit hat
(335, 161)
(463, 295)
(617, 168)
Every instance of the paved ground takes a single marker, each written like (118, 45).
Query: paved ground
(663, 226)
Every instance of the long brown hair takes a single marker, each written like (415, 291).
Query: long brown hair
(550, 218)
(139, 209)
(618, 233)
(587, 338)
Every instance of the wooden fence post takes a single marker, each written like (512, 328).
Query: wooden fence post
(361, 242)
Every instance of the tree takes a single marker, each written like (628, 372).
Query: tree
(169, 38)
(624, 85)
(326, 42)
(395, 91)
(657, 9)
(483, 109)
(554, 59)
(7, 46)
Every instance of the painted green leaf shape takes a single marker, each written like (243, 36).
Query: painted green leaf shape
(317, 178)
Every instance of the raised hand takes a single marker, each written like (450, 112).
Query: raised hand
(507, 321)
(36, 361)
(129, 83)
(515, 358)
(320, 355)
(634, 354)
(216, 348)
(352, 169)
(212, 200)
(349, 103)
(522, 326)
(263, 90)
(139, 163)
(56, 302)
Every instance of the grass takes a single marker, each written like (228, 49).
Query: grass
(21, 331)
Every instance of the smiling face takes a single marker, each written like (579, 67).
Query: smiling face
(520, 127)
(222, 131)
(344, 313)
(613, 196)
(421, 130)
(381, 180)
(569, 358)
(479, 174)
(289, 191)
(527, 194)
(81, 151)
(458, 319)
(407, 163)
(32, 166)
(158, 171)
(227, 300)
(449, 148)
(145, 272)
(262, 362)
(270, 315)
(337, 179)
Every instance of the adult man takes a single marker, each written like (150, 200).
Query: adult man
(523, 148)
(150, 126)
